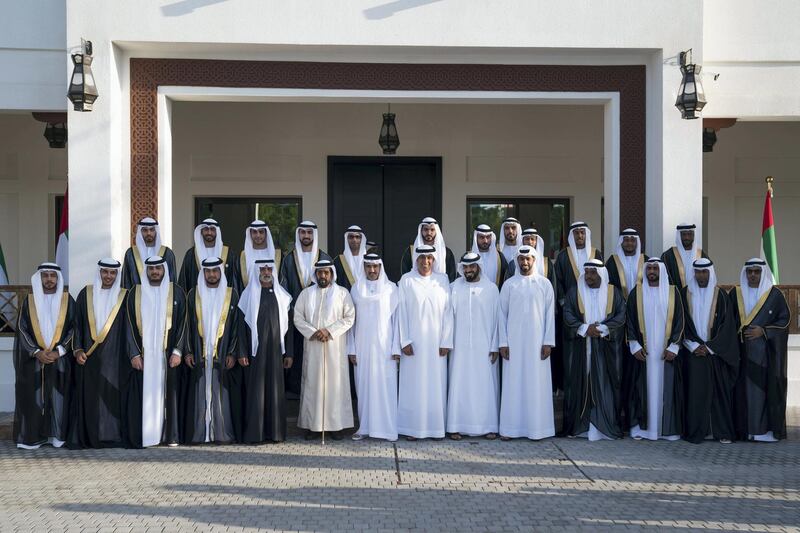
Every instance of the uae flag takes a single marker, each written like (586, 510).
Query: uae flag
(62, 246)
(769, 248)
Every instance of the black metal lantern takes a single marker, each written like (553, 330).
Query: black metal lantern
(82, 90)
(56, 134)
(388, 139)
(691, 97)
(709, 139)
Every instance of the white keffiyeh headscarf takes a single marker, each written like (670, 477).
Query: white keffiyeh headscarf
(48, 306)
(104, 300)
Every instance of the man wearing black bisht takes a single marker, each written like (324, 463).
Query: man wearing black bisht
(155, 337)
(297, 273)
(710, 356)
(147, 243)
(349, 264)
(655, 330)
(594, 331)
(207, 244)
(762, 322)
(214, 382)
(265, 350)
(43, 361)
(679, 258)
(99, 349)
(567, 268)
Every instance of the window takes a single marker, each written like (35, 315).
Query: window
(235, 214)
(549, 216)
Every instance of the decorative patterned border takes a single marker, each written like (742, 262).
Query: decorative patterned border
(148, 74)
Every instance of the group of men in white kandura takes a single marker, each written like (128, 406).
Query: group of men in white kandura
(641, 352)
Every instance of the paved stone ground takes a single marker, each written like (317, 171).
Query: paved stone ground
(557, 484)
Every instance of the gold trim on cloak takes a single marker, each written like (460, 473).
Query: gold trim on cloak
(223, 317)
(571, 257)
(99, 339)
(297, 266)
(137, 258)
(137, 304)
(243, 266)
(37, 329)
(346, 267)
(745, 321)
(679, 261)
(640, 314)
(223, 256)
(623, 278)
(609, 301)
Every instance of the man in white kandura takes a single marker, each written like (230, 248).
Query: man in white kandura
(527, 334)
(323, 314)
(374, 348)
(426, 335)
(473, 401)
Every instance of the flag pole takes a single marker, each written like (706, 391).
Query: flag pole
(769, 247)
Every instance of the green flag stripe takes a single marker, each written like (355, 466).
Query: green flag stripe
(770, 251)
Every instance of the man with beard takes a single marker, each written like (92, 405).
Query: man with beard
(258, 244)
(147, 244)
(544, 265)
(297, 273)
(512, 238)
(762, 320)
(99, 349)
(373, 346)
(527, 336)
(493, 264)
(207, 245)
(626, 269)
(655, 330)
(594, 330)
(429, 234)
(626, 266)
(214, 388)
(679, 258)
(323, 314)
(43, 361)
(426, 337)
(265, 351)
(348, 264)
(567, 267)
(473, 400)
(710, 357)
(156, 313)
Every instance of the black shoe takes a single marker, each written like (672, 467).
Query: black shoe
(311, 435)
(336, 435)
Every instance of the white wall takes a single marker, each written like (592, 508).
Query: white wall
(282, 148)
(33, 58)
(733, 176)
(31, 175)
(755, 47)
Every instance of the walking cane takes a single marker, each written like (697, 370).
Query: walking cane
(324, 384)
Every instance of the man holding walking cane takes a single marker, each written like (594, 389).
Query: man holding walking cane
(324, 312)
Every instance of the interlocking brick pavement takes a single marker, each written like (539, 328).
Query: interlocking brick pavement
(474, 484)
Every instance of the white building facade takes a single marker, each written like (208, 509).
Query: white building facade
(551, 111)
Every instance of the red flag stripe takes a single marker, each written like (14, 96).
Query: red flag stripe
(767, 222)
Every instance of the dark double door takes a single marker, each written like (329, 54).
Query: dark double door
(387, 197)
